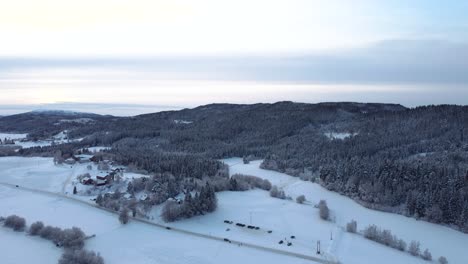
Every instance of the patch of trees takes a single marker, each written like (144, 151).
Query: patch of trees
(202, 202)
(71, 239)
(240, 182)
(385, 237)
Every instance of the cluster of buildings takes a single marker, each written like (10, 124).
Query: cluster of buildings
(113, 175)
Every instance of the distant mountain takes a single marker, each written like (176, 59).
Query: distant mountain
(43, 123)
(59, 112)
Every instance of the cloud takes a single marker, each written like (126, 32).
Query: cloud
(387, 62)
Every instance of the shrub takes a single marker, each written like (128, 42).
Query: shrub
(323, 210)
(171, 211)
(80, 257)
(277, 193)
(351, 227)
(443, 260)
(414, 248)
(51, 233)
(426, 255)
(35, 228)
(15, 222)
(123, 216)
(386, 238)
(72, 238)
(371, 232)
(300, 199)
(401, 245)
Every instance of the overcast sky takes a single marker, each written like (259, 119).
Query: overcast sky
(133, 56)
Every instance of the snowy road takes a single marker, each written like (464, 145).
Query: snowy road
(186, 232)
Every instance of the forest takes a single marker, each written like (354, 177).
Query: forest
(411, 161)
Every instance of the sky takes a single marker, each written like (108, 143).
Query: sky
(128, 57)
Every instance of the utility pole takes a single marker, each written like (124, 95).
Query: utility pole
(318, 247)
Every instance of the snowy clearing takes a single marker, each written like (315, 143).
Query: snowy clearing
(98, 149)
(345, 209)
(13, 246)
(12, 136)
(333, 135)
(284, 218)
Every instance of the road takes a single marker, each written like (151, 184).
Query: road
(187, 232)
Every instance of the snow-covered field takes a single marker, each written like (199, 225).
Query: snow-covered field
(257, 208)
(440, 240)
(133, 243)
(12, 136)
(14, 245)
(140, 243)
(19, 139)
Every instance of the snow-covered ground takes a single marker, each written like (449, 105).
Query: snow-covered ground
(97, 149)
(133, 243)
(43, 174)
(19, 139)
(12, 136)
(183, 122)
(139, 243)
(14, 245)
(440, 240)
(284, 218)
(334, 135)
